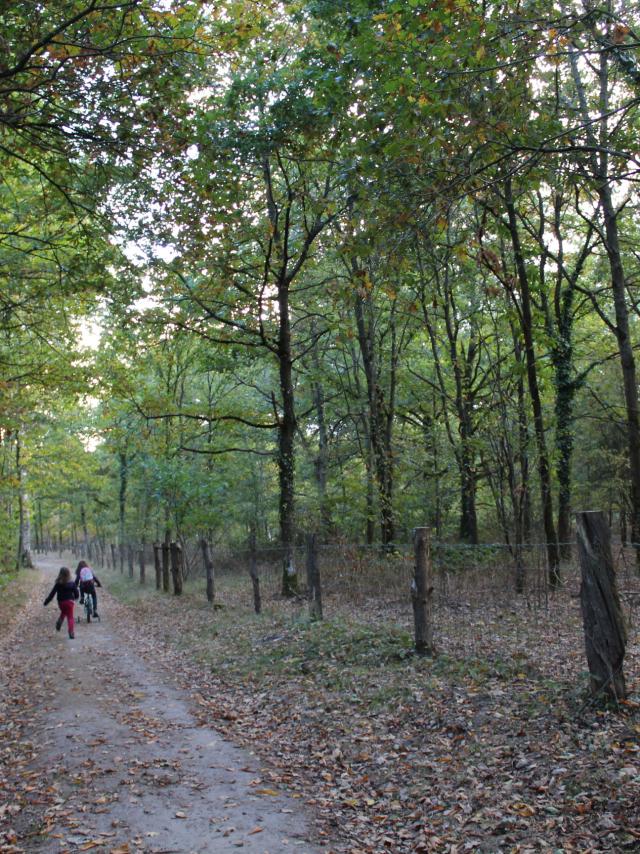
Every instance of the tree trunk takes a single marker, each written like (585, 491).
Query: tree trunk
(40, 530)
(122, 502)
(604, 628)
(565, 392)
(566, 386)
(321, 460)
(157, 565)
(165, 566)
(623, 527)
(85, 532)
(523, 506)
(379, 438)
(253, 572)
(468, 514)
(526, 318)
(370, 532)
(208, 565)
(25, 557)
(176, 567)
(286, 449)
(601, 176)
(627, 357)
(314, 592)
(143, 565)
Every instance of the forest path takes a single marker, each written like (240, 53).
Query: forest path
(104, 755)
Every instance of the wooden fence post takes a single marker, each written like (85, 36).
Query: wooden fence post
(157, 565)
(253, 572)
(605, 634)
(208, 565)
(422, 592)
(143, 568)
(176, 567)
(289, 573)
(165, 566)
(314, 592)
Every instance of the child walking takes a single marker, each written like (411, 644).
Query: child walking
(67, 592)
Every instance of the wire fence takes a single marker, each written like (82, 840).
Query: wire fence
(477, 612)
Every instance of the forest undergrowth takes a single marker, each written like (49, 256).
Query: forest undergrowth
(493, 745)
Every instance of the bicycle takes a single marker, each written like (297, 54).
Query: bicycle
(87, 605)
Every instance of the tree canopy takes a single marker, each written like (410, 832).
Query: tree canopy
(346, 267)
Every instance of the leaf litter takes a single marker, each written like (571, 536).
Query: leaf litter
(492, 746)
(465, 752)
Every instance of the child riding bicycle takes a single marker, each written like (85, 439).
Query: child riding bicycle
(87, 580)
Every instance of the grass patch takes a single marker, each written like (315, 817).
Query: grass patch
(280, 644)
(127, 590)
(341, 656)
(287, 648)
(6, 578)
(15, 588)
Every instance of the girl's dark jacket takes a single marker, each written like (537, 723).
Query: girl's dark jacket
(64, 592)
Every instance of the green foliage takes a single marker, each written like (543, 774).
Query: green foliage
(353, 157)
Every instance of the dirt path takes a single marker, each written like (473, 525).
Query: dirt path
(100, 753)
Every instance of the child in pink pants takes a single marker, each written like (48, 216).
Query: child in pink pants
(67, 592)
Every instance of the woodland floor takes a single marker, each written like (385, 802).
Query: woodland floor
(493, 746)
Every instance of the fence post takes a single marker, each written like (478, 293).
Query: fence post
(605, 634)
(314, 592)
(422, 592)
(520, 571)
(165, 566)
(208, 565)
(143, 568)
(157, 565)
(253, 572)
(176, 567)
